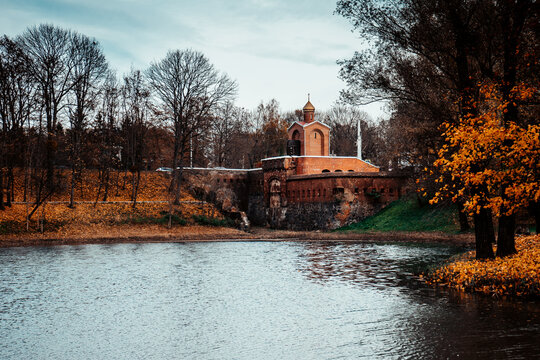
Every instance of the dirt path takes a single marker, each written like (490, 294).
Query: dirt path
(107, 234)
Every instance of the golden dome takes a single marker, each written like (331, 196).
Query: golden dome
(309, 106)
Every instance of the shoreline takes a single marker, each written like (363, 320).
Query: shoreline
(117, 234)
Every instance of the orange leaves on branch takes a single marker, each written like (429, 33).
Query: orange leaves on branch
(492, 164)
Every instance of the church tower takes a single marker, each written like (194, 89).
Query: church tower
(308, 137)
(309, 111)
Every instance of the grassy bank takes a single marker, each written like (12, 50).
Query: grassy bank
(517, 275)
(407, 215)
(152, 207)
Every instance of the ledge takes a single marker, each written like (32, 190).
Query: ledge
(329, 175)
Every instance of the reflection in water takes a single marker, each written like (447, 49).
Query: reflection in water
(424, 322)
(246, 301)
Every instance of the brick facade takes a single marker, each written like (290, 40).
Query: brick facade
(307, 191)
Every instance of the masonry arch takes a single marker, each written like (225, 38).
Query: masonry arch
(317, 141)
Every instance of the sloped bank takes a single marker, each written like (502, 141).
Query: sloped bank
(150, 233)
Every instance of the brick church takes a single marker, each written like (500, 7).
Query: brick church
(309, 142)
(308, 188)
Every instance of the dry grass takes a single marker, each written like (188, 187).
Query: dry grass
(53, 216)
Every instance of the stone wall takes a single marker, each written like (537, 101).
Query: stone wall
(276, 197)
(325, 216)
(229, 189)
(330, 200)
(256, 210)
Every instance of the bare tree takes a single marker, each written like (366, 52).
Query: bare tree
(106, 133)
(344, 123)
(189, 88)
(89, 70)
(51, 51)
(136, 108)
(227, 123)
(270, 137)
(16, 103)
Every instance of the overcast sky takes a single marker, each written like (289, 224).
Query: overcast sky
(280, 49)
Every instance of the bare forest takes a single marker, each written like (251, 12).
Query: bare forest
(66, 113)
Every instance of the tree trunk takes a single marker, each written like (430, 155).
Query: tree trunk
(72, 190)
(484, 234)
(534, 209)
(50, 154)
(506, 239)
(107, 178)
(100, 176)
(136, 181)
(1, 188)
(11, 187)
(463, 221)
(178, 176)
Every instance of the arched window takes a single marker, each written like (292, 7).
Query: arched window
(338, 170)
(316, 143)
(325, 171)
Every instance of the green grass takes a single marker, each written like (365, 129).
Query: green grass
(407, 215)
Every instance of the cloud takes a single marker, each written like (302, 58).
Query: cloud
(275, 48)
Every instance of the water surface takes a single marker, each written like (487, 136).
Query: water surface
(248, 300)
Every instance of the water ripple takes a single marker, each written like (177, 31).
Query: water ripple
(247, 301)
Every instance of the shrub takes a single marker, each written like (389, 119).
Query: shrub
(206, 221)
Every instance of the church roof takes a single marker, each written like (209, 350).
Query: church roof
(305, 124)
(309, 106)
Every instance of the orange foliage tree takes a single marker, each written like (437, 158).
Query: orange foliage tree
(493, 164)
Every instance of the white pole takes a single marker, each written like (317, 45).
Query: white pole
(191, 150)
(359, 142)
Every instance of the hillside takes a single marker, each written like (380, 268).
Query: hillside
(407, 215)
(152, 205)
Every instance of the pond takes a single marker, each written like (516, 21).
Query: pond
(248, 300)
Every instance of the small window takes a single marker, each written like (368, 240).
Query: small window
(356, 190)
(391, 190)
(308, 194)
(218, 181)
(365, 190)
(326, 171)
(350, 170)
(338, 170)
(324, 192)
(303, 194)
(382, 191)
